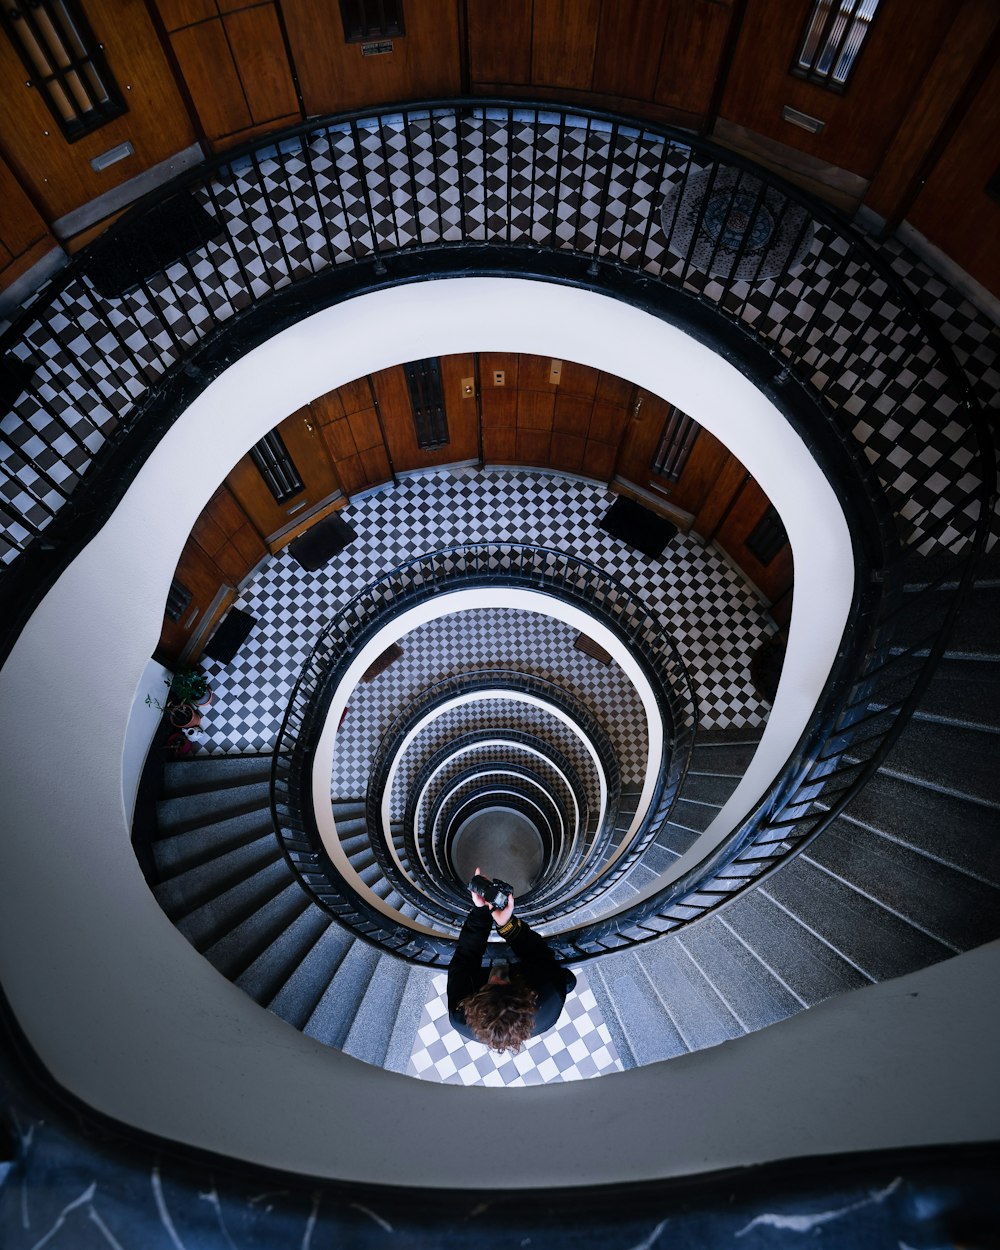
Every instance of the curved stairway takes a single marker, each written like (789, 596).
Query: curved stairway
(907, 876)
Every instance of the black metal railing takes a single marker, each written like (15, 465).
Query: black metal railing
(552, 573)
(116, 345)
(501, 679)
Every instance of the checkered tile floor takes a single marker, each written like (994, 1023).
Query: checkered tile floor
(293, 213)
(715, 620)
(578, 1046)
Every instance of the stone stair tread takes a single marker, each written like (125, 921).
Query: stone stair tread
(188, 811)
(956, 831)
(878, 943)
(927, 753)
(238, 948)
(642, 1028)
(187, 890)
(808, 966)
(264, 977)
(699, 1012)
(956, 909)
(207, 923)
(213, 772)
(331, 1018)
(750, 990)
(180, 852)
(298, 996)
(374, 1020)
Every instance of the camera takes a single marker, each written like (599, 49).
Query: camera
(497, 893)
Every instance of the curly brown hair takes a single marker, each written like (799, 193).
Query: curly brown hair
(501, 1015)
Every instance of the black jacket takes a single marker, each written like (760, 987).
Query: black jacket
(537, 968)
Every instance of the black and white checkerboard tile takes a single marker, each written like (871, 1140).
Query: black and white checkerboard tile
(577, 1047)
(522, 642)
(715, 621)
(293, 212)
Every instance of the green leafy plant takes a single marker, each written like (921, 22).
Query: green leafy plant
(187, 687)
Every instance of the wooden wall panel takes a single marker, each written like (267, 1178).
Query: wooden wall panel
(24, 236)
(460, 411)
(237, 72)
(493, 59)
(210, 72)
(564, 39)
(58, 174)
(953, 210)
(931, 111)
(859, 124)
(774, 578)
(629, 44)
(334, 75)
(694, 44)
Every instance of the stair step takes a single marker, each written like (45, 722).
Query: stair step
(975, 631)
(416, 993)
(693, 816)
(265, 976)
(879, 944)
(181, 894)
(965, 692)
(754, 995)
(950, 758)
(332, 1016)
(698, 1010)
(711, 788)
(371, 1030)
(807, 965)
(180, 852)
(729, 758)
(213, 772)
(297, 998)
(191, 811)
(237, 949)
(642, 1027)
(673, 839)
(212, 920)
(954, 831)
(954, 908)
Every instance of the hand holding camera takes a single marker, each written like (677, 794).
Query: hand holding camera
(497, 895)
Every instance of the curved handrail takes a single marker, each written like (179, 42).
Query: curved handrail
(109, 407)
(544, 570)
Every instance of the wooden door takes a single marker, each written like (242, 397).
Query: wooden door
(222, 550)
(859, 122)
(279, 520)
(685, 478)
(235, 66)
(353, 436)
(24, 236)
(58, 174)
(334, 75)
(402, 433)
(752, 534)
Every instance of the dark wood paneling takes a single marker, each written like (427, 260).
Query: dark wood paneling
(535, 410)
(334, 75)
(533, 446)
(177, 13)
(572, 414)
(397, 416)
(304, 439)
(953, 209)
(496, 58)
(199, 574)
(930, 114)
(731, 479)
(860, 124)
(257, 45)
(567, 451)
(694, 42)
(57, 174)
(599, 460)
(607, 422)
(564, 37)
(774, 578)
(24, 236)
(701, 473)
(499, 445)
(211, 77)
(629, 41)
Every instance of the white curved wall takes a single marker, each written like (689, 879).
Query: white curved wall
(117, 1005)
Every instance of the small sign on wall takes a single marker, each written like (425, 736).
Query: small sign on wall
(379, 48)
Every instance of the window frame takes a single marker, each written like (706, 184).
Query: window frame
(85, 66)
(359, 25)
(835, 9)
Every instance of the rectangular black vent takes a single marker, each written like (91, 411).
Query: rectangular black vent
(768, 536)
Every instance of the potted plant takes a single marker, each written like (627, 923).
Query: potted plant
(189, 691)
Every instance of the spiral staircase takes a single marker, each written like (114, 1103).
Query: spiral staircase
(868, 854)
